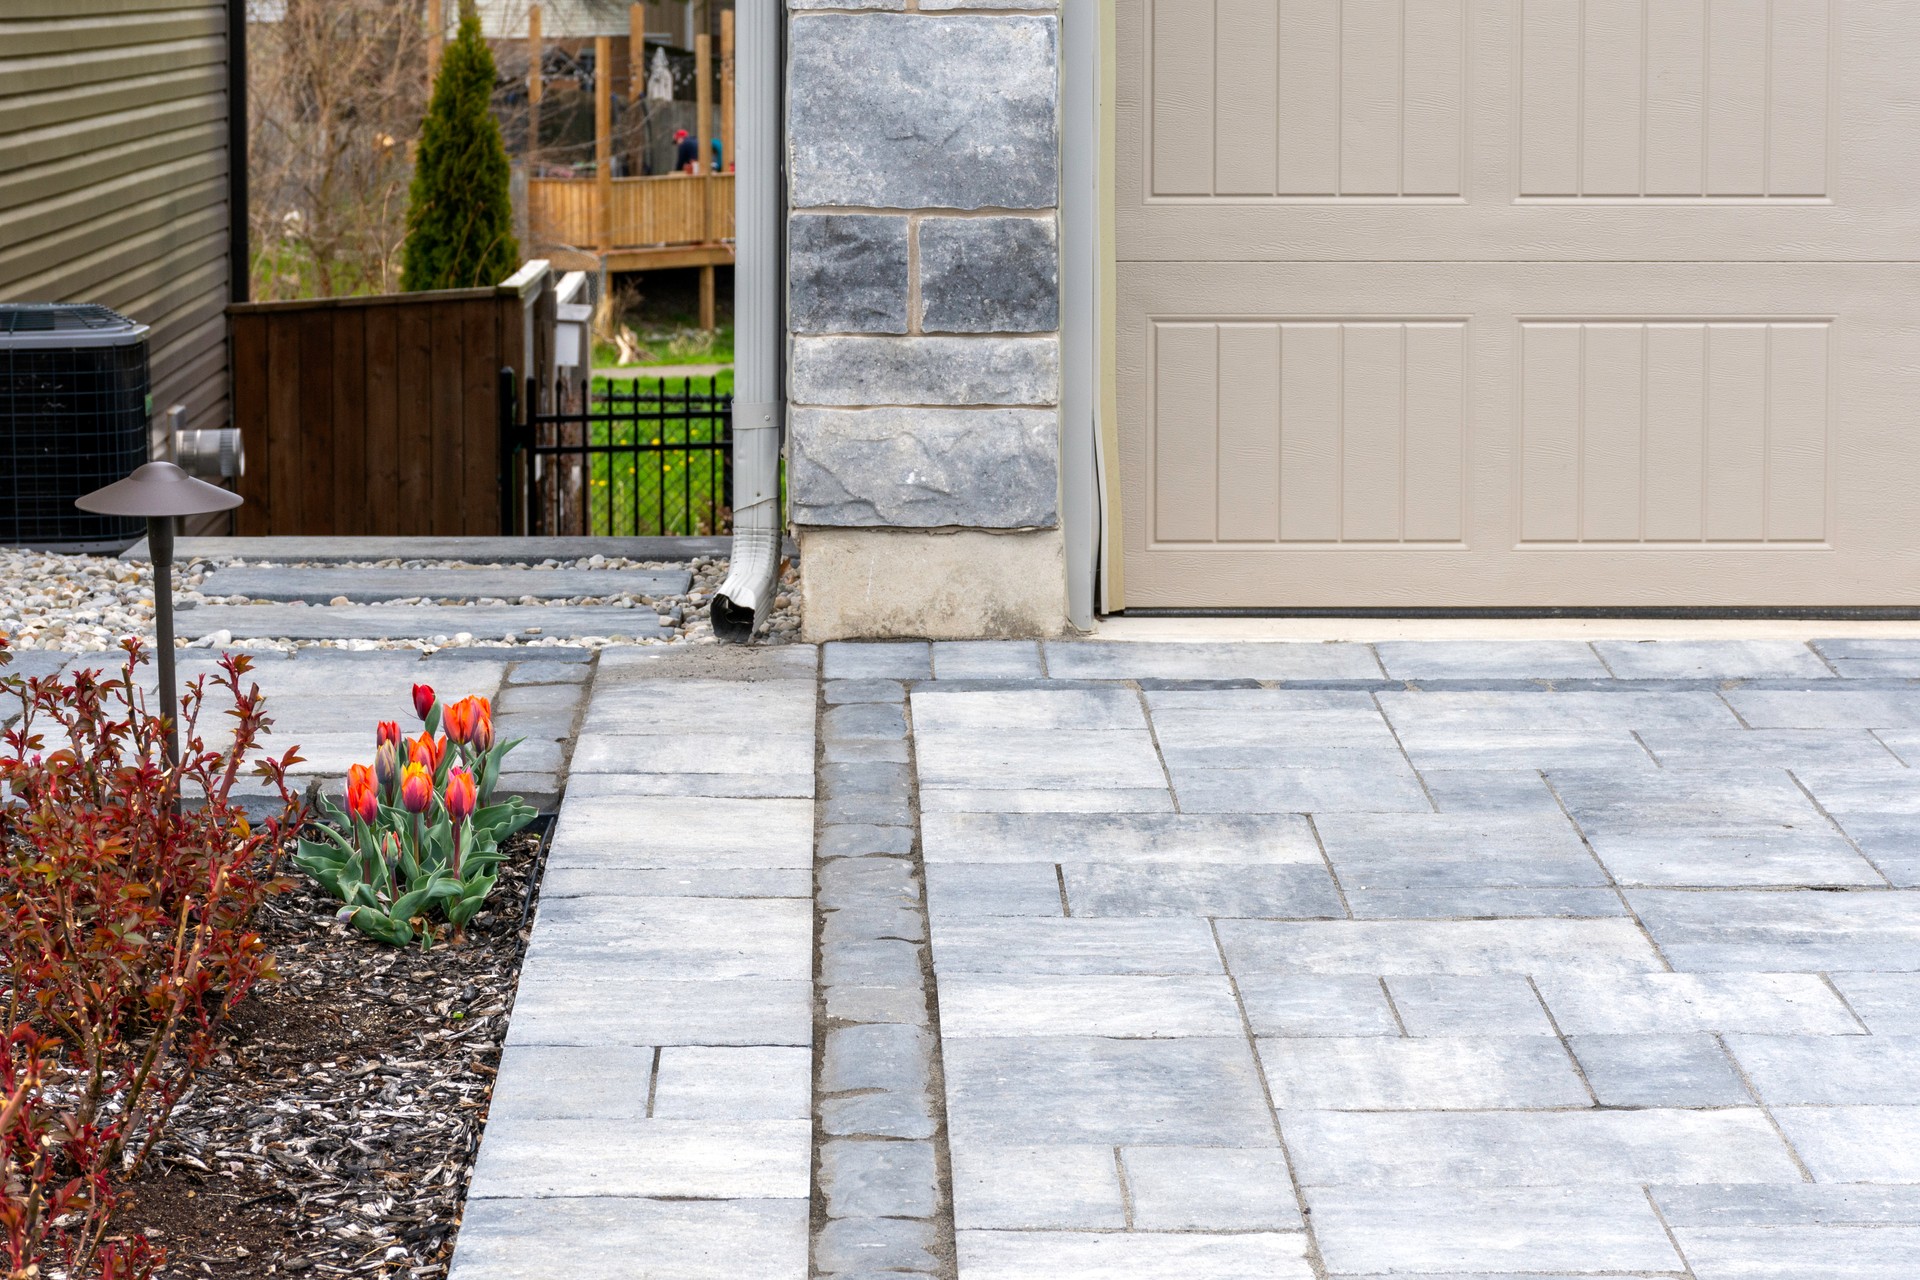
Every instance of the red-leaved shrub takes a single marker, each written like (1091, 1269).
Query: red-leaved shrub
(128, 890)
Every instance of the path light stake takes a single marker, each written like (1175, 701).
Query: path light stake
(162, 493)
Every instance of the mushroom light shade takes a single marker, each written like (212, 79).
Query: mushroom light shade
(161, 492)
(156, 491)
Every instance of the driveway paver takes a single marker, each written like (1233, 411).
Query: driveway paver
(1426, 960)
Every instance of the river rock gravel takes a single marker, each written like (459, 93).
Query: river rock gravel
(85, 604)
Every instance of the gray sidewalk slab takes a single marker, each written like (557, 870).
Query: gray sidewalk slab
(477, 550)
(415, 622)
(370, 586)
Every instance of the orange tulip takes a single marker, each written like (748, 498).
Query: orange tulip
(427, 751)
(482, 737)
(458, 718)
(416, 788)
(461, 799)
(361, 795)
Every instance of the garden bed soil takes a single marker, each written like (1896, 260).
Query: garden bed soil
(337, 1132)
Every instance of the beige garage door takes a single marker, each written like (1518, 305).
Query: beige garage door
(1498, 303)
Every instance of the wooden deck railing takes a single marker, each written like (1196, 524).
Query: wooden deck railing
(677, 209)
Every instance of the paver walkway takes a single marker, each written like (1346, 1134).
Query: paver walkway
(1426, 959)
(650, 1117)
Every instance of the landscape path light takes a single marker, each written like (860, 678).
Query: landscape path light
(161, 493)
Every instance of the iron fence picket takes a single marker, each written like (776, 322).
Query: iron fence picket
(578, 450)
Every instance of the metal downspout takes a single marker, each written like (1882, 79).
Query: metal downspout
(743, 600)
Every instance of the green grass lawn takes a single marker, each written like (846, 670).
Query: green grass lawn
(670, 492)
(673, 344)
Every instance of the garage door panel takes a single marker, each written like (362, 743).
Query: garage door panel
(1583, 446)
(1520, 129)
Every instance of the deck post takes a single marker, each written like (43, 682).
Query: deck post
(636, 87)
(709, 319)
(436, 38)
(536, 86)
(703, 101)
(726, 89)
(603, 137)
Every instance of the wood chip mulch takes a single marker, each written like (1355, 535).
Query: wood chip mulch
(336, 1135)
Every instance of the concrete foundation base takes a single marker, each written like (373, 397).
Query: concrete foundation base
(902, 583)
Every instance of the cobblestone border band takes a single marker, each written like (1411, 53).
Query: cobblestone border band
(882, 1200)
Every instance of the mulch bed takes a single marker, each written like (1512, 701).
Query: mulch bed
(337, 1133)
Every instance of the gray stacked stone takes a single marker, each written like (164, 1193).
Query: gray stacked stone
(923, 260)
(877, 1105)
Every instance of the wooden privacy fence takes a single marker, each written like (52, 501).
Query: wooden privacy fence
(380, 415)
(677, 209)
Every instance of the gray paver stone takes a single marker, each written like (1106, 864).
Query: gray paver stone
(878, 1179)
(859, 924)
(858, 839)
(401, 621)
(875, 778)
(541, 790)
(867, 689)
(847, 750)
(877, 1057)
(551, 671)
(864, 720)
(875, 810)
(878, 1115)
(516, 699)
(905, 1004)
(859, 660)
(859, 882)
(1659, 1071)
(885, 963)
(892, 1244)
(370, 586)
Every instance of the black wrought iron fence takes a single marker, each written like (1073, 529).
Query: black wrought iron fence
(625, 459)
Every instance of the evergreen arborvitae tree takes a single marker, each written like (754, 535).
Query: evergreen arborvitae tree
(460, 210)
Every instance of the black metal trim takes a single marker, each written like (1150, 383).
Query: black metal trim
(239, 261)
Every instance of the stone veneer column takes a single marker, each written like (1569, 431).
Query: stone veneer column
(923, 296)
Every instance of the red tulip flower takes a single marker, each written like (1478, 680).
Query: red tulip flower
(362, 800)
(387, 731)
(461, 798)
(423, 700)
(458, 717)
(416, 789)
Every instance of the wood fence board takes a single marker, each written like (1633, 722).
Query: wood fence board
(250, 414)
(349, 421)
(283, 426)
(413, 512)
(383, 418)
(316, 404)
(448, 409)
